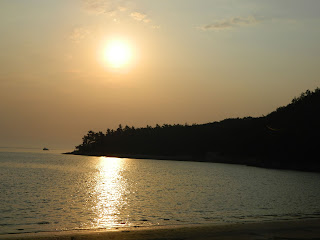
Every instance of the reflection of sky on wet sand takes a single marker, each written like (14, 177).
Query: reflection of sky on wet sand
(110, 190)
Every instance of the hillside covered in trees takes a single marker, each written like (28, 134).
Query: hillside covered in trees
(287, 138)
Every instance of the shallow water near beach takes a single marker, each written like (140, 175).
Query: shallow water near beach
(49, 191)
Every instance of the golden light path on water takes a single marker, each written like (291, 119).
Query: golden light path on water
(110, 190)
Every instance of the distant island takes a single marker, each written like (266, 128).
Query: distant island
(287, 138)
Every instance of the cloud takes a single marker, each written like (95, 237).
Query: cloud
(68, 57)
(110, 7)
(122, 9)
(115, 9)
(140, 17)
(230, 23)
(78, 34)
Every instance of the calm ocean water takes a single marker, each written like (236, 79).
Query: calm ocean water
(46, 191)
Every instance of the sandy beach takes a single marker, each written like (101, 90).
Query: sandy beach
(303, 229)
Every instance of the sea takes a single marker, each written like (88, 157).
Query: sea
(46, 191)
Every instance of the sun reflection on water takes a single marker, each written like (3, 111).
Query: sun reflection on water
(110, 191)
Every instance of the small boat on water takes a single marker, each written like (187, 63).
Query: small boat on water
(45, 149)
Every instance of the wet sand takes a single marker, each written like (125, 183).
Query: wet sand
(285, 230)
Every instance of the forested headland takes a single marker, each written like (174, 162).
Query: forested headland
(287, 138)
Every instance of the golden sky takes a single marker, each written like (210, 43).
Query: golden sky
(72, 66)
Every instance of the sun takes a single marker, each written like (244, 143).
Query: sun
(117, 54)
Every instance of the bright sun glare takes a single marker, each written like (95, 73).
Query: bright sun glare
(117, 54)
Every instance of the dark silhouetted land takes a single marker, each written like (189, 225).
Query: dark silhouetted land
(287, 138)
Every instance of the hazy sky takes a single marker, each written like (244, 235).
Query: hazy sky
(192, 61)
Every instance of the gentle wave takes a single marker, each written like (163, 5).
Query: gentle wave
(55, 192)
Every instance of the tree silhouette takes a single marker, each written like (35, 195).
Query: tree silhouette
(284, 138)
